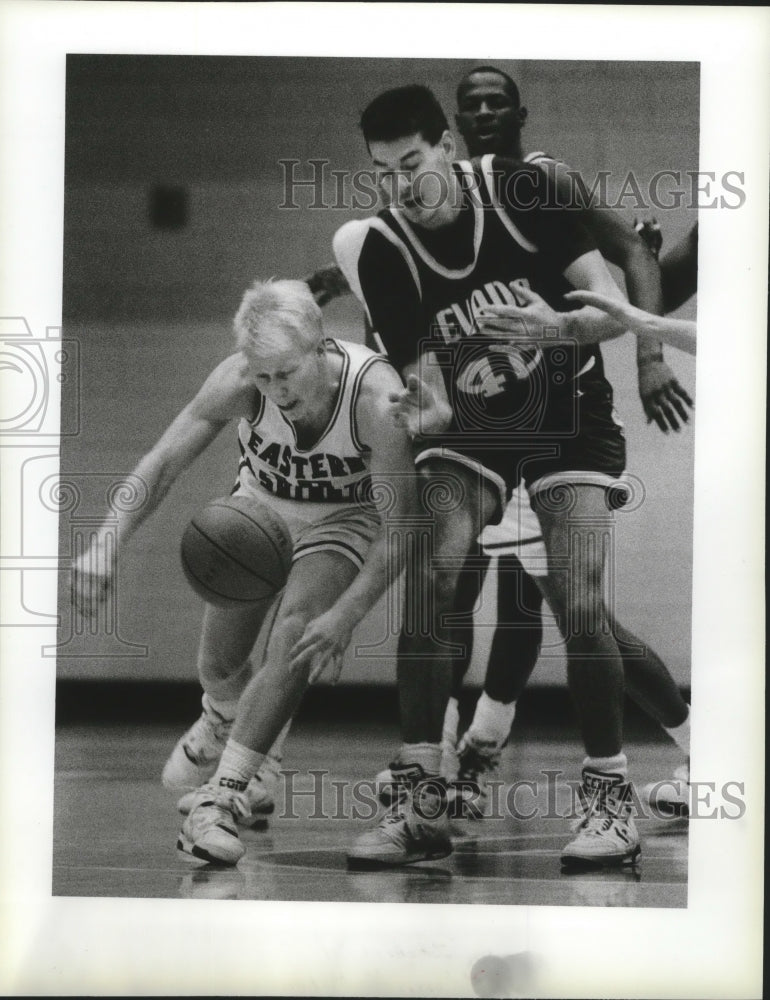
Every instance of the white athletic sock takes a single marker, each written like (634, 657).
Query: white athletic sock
(492, 719)
(681, 735)
(224, 709)
(224, 692)
(427, 755)
(237, 766)
(608, 765)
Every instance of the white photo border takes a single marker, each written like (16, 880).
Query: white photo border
(714, 948)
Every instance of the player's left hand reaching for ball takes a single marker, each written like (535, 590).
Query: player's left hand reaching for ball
(322, 646)
(663, 398)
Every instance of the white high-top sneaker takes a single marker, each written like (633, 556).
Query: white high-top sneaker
(195, 757)
(415, 827)
(210, 832)
(607, 834)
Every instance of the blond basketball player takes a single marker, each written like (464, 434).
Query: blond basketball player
(314, 422)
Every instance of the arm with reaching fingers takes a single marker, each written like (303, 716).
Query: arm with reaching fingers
(678, 333)
(534, 320)
(222, 397)
(627, 247)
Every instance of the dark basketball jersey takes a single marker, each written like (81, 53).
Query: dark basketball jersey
(423, 288)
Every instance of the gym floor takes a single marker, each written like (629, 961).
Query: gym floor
(115, 826)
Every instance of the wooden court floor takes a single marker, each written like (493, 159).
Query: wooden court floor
(115, 827)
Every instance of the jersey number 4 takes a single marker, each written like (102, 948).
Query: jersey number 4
(479, 378)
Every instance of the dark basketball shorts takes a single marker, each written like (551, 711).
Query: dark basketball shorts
(580, 440)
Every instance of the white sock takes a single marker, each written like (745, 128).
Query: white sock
(237, 766)
(224, 709)
(492, 719)
(681, 735)
(608, 765)
(427, 755)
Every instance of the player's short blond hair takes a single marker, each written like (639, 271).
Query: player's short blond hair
(272, 310)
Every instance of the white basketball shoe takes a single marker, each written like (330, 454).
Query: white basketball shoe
(607, 834)
(415, 827)
(479, 761)
(210, 832)
(388, 787)
(195, 757)
(259, 795)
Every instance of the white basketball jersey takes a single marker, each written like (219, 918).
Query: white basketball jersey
(335, 471)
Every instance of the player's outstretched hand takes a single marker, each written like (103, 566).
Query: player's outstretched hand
(663, 397)
(531, 320)
(417, 409)
(621, 310)
(322, 647)
(92, 580)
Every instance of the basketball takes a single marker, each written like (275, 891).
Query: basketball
(236, 551)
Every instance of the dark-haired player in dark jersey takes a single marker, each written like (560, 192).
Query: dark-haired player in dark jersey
(490, 118)
(486, 414)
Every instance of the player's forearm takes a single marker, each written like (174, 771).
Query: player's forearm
(678, 333)
(147, 486)
(589, 326)
(644, 288)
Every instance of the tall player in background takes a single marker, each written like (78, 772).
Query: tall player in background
(490, 118)
(317, 443)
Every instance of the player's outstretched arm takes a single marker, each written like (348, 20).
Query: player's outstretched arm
(394, 486)
(533, 320)
(221, 397)
(661, 394)
(678, 333)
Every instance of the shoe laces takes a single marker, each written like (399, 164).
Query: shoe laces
(229, 801)
(600, 812)
(396, 811)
